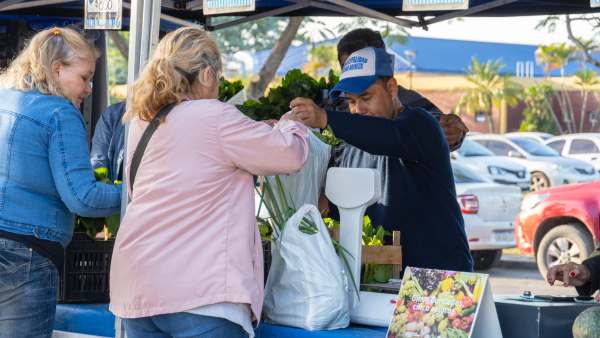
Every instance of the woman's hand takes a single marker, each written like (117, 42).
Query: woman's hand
(291, 117)
(569, 274)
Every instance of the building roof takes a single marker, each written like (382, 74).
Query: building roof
(453, 56)
(438, 56)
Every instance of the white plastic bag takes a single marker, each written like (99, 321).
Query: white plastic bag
(304, 186)
(307, 286)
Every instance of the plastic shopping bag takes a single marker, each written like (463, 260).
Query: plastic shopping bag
(304, 186)
(307, 286)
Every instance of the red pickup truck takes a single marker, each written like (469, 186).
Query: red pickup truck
(559, 224)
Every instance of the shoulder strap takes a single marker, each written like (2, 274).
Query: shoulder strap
(141, 147)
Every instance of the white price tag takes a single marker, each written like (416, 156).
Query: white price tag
(103, 14)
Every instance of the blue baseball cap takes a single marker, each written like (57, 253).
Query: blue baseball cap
(361, 70)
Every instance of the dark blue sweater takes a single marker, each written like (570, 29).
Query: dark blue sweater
(420, 197)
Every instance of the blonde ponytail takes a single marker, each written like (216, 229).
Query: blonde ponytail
(179, 59)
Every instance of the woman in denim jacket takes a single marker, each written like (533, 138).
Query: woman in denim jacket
(46, 176)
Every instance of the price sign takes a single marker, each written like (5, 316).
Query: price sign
(435, 5)
(103, 14)
(227, 6)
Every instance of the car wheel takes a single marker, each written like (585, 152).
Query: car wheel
(539, 181)
(485, 259)
(563, 244)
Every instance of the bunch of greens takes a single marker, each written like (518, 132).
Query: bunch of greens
(280, 214)
(374, 273)
(94, 225)
(277, 102)
(328, 137)
(228, 89)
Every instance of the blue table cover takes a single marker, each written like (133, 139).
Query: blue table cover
(95, 319)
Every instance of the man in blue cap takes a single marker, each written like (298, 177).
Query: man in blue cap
(408, 147)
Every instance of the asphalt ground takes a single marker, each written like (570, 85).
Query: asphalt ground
(516, 274)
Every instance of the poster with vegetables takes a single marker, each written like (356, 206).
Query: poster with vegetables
(441, 304)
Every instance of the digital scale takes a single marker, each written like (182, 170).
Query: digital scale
(352, 190)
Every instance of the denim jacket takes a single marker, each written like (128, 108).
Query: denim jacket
(109, 140)
(45, 172)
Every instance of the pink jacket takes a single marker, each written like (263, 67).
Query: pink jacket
(189, 237)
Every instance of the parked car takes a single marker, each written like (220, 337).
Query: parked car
(583, 147)
(547, 167)
(536, 136)
(560, 224)
(498, 169)
(488, 209)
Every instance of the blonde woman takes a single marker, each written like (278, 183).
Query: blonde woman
(46, 175)
(188, 259)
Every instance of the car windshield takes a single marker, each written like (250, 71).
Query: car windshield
(534, 148)
(471, 148)
(463, 174)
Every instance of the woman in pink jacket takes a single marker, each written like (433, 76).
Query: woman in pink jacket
(188, 260)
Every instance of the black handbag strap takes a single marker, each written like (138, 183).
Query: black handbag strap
(141, 147)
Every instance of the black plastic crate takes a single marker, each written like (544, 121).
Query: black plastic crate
(266, 258)
(86, 275)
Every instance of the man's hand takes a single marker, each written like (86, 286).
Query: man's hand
(309, 112)
(569, 274)
(291, 117)
(453, 127)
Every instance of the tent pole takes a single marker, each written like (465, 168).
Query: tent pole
(274, 12)
(463, 13)
(373, 13)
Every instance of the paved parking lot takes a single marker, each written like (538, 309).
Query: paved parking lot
(516, 274)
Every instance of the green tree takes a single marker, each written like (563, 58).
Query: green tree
(251, 36)
(392, 32)
(489, 88)
(117, 65)
(545, 57)
(537, 116)
(585, 80)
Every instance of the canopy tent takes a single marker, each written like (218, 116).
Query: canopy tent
(50, 12)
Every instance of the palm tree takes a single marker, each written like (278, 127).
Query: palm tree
(585, 80)
(564, 55)
(544, 55)
(488, 87)
(538, 115)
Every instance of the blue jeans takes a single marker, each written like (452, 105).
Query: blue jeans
(28, 285)
(182, 324)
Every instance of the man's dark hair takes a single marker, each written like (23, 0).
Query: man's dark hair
(358, 39)
(383, 81)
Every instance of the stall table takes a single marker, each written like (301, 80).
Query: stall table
(537, 319)
(96, 320)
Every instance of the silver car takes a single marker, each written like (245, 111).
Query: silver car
(547, 167)
(583, 147)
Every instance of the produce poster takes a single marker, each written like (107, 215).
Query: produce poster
(436, 303)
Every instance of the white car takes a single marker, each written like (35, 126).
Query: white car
(536, 136)
(583, 147)
(547, 167)
(489, 210)
(498, 169)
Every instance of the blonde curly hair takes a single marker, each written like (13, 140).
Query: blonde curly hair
(179, 59)
(32, 68)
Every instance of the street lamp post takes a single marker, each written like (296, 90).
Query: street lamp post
(410, 56)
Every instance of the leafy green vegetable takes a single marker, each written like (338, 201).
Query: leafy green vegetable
(374, 273)
(277, 102)
(331, 223)
(228, 89)
(328, 137)
(93, 225)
